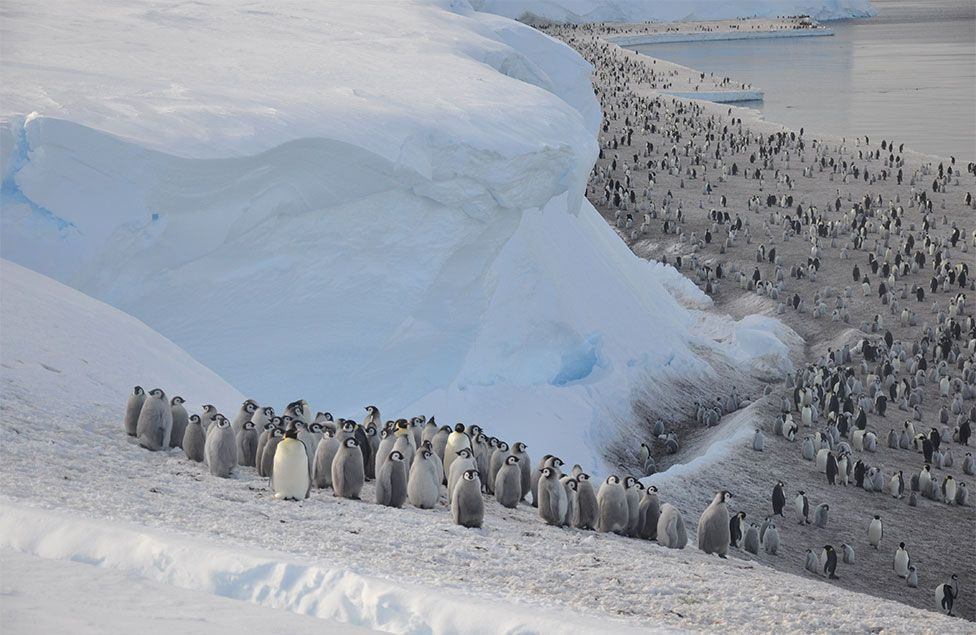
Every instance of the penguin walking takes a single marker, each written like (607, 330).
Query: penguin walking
(508, 483)
(348, 472)
(467, 506)
(779, 498)
(829, 557)
(247, 444)
(424, 482)
(946, 594)
(875, 532)
(155, 422)
(194, 439)
(391, 481)
(220, 448)
(290, 478)
(180, 421)
(671, 530)
(133, 406)
(713, 526)
(802, 506)
(613, 514)
(901, 561)
(553, 502)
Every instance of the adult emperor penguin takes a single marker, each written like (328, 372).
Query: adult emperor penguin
(612, 512)
(194, 439)
(155, 422)
(901, 561)
(245, 413)
(735, 528)
(948, 484)
(829, 558)
(467, 506)
(946, 594)
(802, 506)
(180, 421)
(456, 442)
(423, 482)
(525, 466)
(588, 506)
(220, 448)
(713, 526)
(750, 542)
(508, 483)
(634, 491)
(247, 444)
(779, 498)
(770, 540)
(463, 462)
(348, 474)
(267, 457)
(553, 502)
(875, 532)
(132, 408)
(650, 510)
(671, 531)
(391, 481)
(820, 517)
(290, 478)
(322, 464)
(831, 469)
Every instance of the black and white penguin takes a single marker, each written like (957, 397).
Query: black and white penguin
(247, 444)
(553, 502)
(391, 481)
(325, 453)
(671, 530)
(770, 539)
(779, 498)
(290, 476)
(946, 594)
(829, 558)
(901, 561)
(802, 506)
(875, 532)
(820, 516)
(613, 513)
(348, 473)
(649, 512)
(467, 505)
(588, 506)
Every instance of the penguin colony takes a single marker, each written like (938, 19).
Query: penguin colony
(732, 208)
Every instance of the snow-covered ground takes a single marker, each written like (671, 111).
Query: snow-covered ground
(581, 11)
(370, 202)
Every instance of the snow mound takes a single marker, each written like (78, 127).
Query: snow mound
(64, 350)
(582, 11)
(369, 202)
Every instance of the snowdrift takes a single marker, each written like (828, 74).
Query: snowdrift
(370, 202)
(581, 11)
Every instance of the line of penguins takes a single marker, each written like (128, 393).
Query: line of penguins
(410, 460)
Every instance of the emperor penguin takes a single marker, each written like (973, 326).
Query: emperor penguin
(456, 442)
(194, 439)
(463, 462)
(802, 506)
(713, 526)
(829, 558)
(180, 421)
(779, 498)
(807, 449)
(498, 456)
(758, 440)
(220, 448)
(848, 553)
(946, 594)
(612, 512)
(267, 457)
(901, 561)
(404, 442)
(912, 579)
(325, 453)
(423, 482)
(969, 464)
(508, 483)
(820, 517)
(588, 506)
(643, 454)
(875, 532)
(525, 466)
(155, 422)
(290, 478)
(263, 441)
(896, 486)
(571, 486)
(812, 565)
(750, 542)
(248, 408)
(308, 439)
(133, 406)
(634, 491)
(261, 417)
(671, 531)
(553, 502)
(925, 479)
(348, 473)
(417, 425)
(391, 481)
(208, 417)
(373, 418)
(962, 495)
(439, 442)
(467, 506)
(436, 460)
(770, 540)
(429, 432)
(649, 511)
(247, 444)
(735, 528)
(948, 487)
(387, 439)
(831, 469)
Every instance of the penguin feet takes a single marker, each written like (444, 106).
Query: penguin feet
(722, 556)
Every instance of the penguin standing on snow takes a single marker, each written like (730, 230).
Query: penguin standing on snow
(875, 532)
(348, 474)
(829, 558)
(180, 421)
(901, 561)
(735, 528)
(423, 480)
(770, 540)
(750, 542)
(467, 506)
(588, 507)
(290, 478)
(322, 464)
(194, 439)
(779, 498)
(220, 448)
(525, 466)
(391, 481)
(155, 422)
(247, 444)
(713, 526)
(508, 483)
(553, 501)
(650, 510)
(613, 514)
(671, 531)
(133, 406)
(946, 594)
(802, 506)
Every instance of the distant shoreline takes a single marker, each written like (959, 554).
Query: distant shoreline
(677, 37)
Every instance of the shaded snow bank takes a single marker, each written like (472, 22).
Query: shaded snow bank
(581, 11)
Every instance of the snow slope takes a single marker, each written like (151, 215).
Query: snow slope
(349, 202)
(581, 11)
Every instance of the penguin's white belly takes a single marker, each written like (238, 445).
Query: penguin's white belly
(290, 473)
(901, 564)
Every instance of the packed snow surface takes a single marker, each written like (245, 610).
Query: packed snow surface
(581, 11)
(368, 202)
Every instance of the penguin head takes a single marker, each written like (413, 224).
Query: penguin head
(349, 426)
(250, 406)
(557, 462)
(373, 410)
(459, 428)
(741, 515)
(582, 476)
(481, 438)
(269, 426)
(572, 484)
(629, 482)
(474, 430)
(724, 495)
(291, 430)
(464, 453)
(298, 410)
(222, 421)
(327, 416)
(157, 393)
(828, 548)
(548, 472)
(876, 517)
(431, 421)
(901, 545)
(277, 433)
(470, 475)
(511, 460)
(446, 429)
(826, 507)
(402, 426)
(396, 455)
(248, 425)
(427, 445)
(137, 390)
(177, 400)
(210, 409)
(801, 493)
(426, 454)
(503, 446)
(351, 443)
(315, 428)
(276, 421)
(195, 419)
(384, 433)
(519, 447)
(613, 479)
